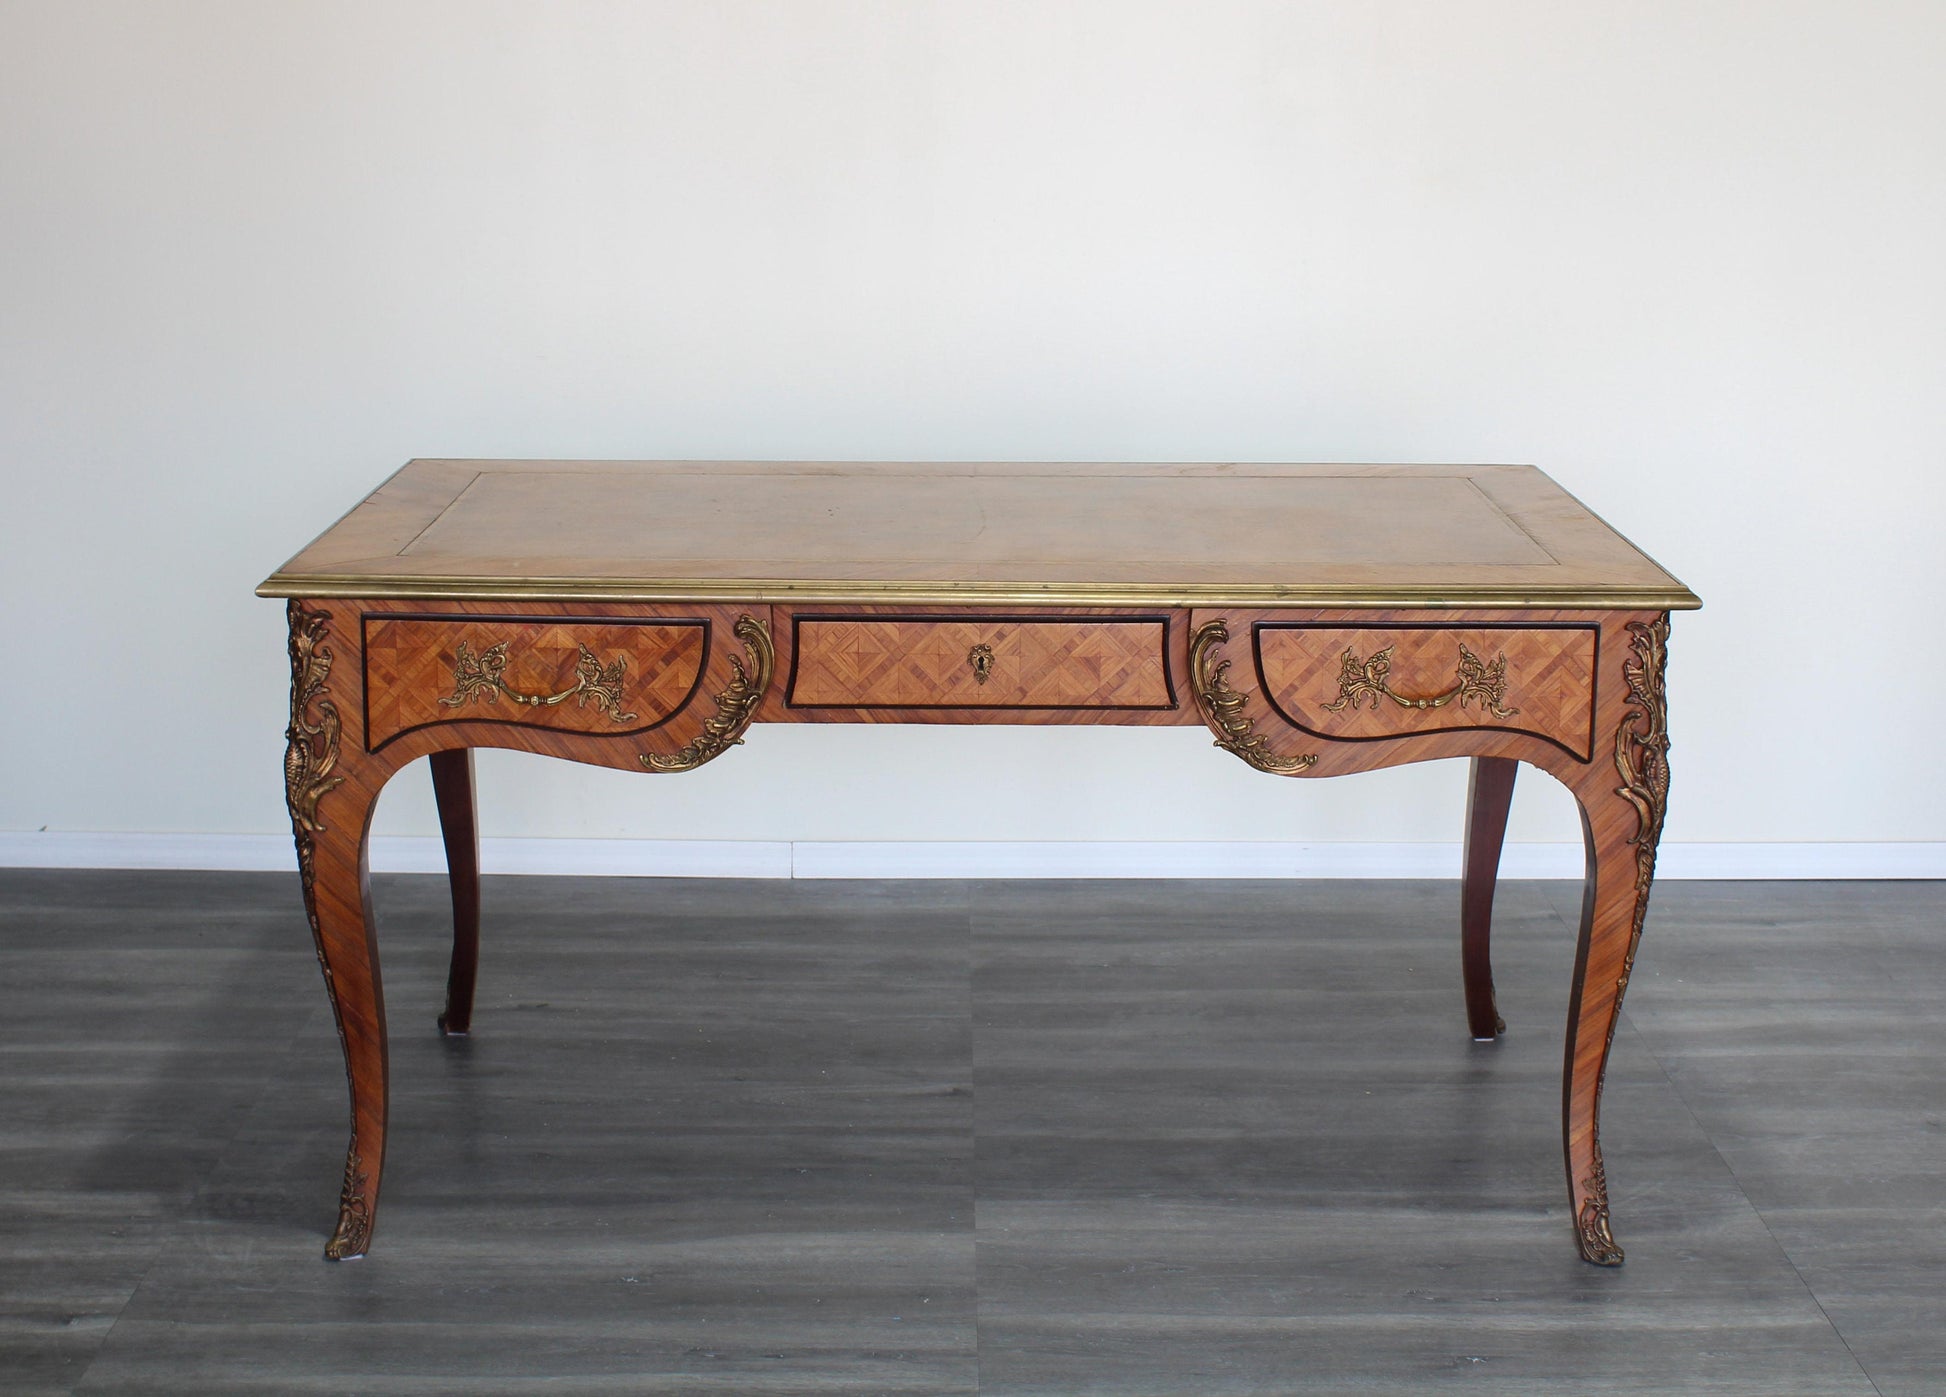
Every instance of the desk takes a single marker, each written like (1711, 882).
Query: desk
(1318, 620)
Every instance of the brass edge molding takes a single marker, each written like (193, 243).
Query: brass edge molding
(735, 706)
(1222, 706)
(312, 741)
(1476, 680)
(482, 678)
(1642, 761)
(392, 587)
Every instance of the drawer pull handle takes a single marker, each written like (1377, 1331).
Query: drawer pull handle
(482, 678)
(1476, 679)
(981, 658)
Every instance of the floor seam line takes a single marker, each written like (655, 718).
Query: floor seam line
(1769, 1232)
(202, 1187)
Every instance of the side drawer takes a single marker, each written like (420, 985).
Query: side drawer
(599, 675)
(1399, 678)
(980, 662)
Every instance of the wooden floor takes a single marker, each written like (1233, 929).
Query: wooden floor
(773, 1137)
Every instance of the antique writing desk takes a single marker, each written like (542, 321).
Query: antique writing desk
(642, 615)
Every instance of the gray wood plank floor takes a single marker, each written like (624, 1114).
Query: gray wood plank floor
(1052, 1137)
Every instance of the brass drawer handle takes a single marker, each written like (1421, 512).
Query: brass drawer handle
(483, 678)
(1476, 680)
(981, 658)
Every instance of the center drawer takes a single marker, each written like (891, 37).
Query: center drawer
(979, 662)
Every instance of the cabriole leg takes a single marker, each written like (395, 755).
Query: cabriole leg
(1622, 824)
(1489, 793)
(452, 785)
(330, 806)
(341, 908)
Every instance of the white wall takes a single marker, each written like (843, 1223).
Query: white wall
(1689, 257)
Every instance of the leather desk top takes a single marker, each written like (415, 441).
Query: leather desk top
(1070, 534)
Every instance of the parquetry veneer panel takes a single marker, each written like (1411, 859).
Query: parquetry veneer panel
(592, 676)
(1369, 681)
(986, 662)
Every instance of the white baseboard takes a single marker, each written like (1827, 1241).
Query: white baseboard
(704, 858)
